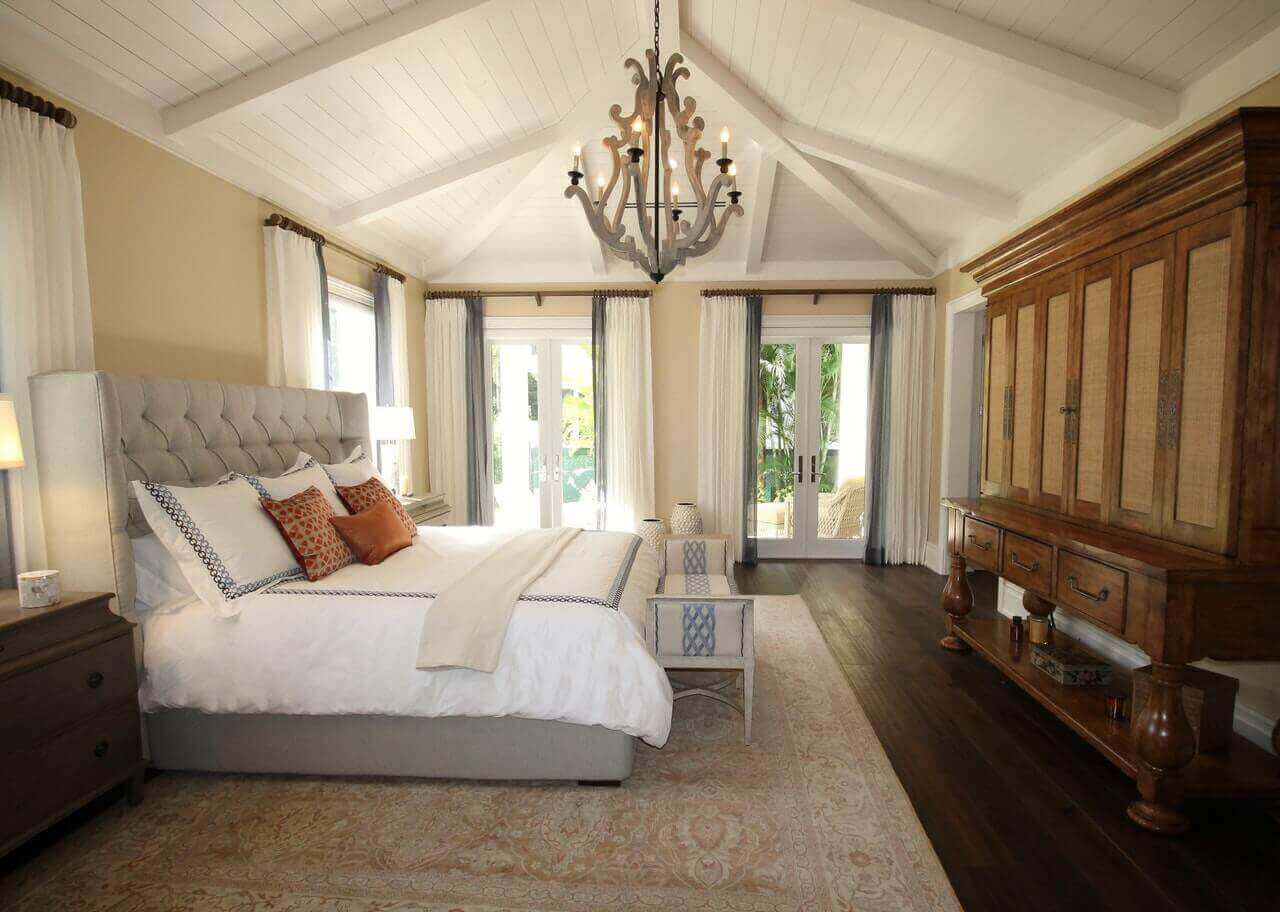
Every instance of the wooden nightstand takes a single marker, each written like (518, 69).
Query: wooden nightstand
(69, 721)
(426, 509)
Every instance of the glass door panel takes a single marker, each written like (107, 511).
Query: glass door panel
(777, 466)
(517, 447)
(576, 465)
(811, 447)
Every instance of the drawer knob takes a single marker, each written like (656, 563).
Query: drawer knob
(1083, 593)
(981, 545)
(100, 749)
(94, 680)
(1029, 568)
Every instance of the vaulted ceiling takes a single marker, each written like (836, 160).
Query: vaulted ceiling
(872, 135)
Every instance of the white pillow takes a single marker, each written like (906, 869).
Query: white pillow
(160, 580)
(224, 542)
(295, 481)
(355, 469)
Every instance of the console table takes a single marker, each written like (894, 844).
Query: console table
(1176, 605)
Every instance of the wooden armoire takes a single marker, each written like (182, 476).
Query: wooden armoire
(1130, 468)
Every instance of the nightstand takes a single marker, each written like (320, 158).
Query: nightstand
(426, 509)
(69, 721)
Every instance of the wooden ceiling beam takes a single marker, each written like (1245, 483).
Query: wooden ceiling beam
(261, 84)
(1023, 58)
(833, 185)
(758, 206)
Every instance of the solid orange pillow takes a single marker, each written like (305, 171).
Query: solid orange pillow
(304, 522)
(361, 497)
(373, 535)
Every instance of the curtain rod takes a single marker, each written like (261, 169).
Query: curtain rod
(815, 292)
(42, 106)
(538, 295)
(276, 220)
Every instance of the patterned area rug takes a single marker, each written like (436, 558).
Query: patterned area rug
(810, 816)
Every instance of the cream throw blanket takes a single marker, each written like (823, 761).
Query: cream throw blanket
(467, 622)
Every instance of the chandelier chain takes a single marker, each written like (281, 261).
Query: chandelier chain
(657, 50)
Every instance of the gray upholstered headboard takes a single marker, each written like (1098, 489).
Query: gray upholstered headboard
(95, 432)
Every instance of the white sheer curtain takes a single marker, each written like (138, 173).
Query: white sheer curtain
(629, 404)
(907, 506)
(45, 321)
(295, 323)
(446, 331)
(400, 367)
(722, 356)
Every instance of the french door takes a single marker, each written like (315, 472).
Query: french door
(811, 438)
(542, 427)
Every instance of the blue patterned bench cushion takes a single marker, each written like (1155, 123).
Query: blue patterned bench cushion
(696, 584)
(686, 627)
(697, 556)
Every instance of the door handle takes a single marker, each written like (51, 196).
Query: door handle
(813, 469)
(798, 474)
(556, 477)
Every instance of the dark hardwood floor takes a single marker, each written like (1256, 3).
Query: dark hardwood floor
(1022, 812)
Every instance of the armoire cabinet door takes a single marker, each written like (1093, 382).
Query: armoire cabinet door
(1054, 407)
(1022, 398)
(1202, 383)
(995, 468)
(1146, 289)
(1090, 392)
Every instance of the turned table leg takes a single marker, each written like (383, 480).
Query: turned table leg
(1166, 744)
(957, 602)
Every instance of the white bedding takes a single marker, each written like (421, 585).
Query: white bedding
(574, 650)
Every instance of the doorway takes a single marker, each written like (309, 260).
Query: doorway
(811, 438)
(542, 425)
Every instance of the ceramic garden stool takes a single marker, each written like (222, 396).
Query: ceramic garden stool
(698, 621)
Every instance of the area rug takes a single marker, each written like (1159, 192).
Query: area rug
(809, 816)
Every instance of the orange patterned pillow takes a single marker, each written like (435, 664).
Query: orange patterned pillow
(361, 497)
(304, 522)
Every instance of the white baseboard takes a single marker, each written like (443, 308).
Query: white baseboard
(935, 558)
(1248, 722)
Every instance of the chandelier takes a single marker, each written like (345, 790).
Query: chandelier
(644, 159)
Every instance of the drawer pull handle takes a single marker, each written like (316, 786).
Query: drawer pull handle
(100, 749)
(1100, 597)
(984, 546)
(94, 680)
(1029, 568)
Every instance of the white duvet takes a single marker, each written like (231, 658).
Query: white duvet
(347, 644)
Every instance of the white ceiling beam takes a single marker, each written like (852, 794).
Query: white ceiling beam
(1021, 57)
(261, 84)
(857, 157)
(515, 190)
(596, 252)
(758, 206)
(824, 178)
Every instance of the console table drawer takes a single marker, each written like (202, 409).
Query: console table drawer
(1028, 563)
(1093, 589)
(981, 543)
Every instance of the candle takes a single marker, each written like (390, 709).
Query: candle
(577, 158)
(637, 126)
(599, 188)
(724, 143)
(733, 177)
(675, 193)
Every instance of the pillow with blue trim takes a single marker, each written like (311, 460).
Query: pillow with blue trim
(225, 544)
(305, 475)
(355, 469)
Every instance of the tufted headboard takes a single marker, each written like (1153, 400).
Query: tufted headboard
(95, 432)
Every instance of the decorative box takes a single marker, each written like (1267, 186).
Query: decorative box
(1070, 665)
(1208, 698)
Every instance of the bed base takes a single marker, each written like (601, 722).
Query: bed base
(446, 748)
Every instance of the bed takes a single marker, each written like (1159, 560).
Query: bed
(318, 678)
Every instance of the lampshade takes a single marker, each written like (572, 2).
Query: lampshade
(10, 442)
(393, 422)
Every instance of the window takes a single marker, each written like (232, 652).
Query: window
(352, 341)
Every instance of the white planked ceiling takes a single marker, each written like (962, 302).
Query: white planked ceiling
(510, 71)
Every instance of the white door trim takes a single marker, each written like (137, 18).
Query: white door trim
(959, 392)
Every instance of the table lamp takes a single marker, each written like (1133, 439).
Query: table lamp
(391, 424)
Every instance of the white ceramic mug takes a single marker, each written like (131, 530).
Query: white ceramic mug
(39, 588)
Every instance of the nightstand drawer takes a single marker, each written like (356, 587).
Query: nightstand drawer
(55, 696)
(40, 782)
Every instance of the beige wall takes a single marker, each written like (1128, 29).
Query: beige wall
(176, 266)
(674, 332)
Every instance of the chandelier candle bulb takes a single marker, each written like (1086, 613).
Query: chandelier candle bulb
(733, 177)
(577, 158)
(724, 143)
